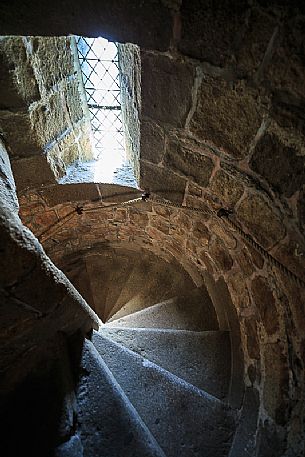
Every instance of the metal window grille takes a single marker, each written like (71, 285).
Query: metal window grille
(98, 59)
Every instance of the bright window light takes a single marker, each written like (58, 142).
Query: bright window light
(99, 65)
(100, 70)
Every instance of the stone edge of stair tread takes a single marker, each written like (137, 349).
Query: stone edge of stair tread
(162, 330)
(150, 441)
(174, 298)
(165, 302)
(170, 301)
(174, 379)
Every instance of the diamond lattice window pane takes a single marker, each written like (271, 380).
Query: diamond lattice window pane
(100, 71)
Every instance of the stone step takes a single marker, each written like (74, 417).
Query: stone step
(192, 312)
(108, 424)
(137, 280)
(150, 283)
(200, 358)
(156, 289)
(185, 421)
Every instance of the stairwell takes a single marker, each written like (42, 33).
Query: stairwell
(157, 380)
(169, 322)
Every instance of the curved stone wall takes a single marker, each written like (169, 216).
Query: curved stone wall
(221, 127)
(268, 305)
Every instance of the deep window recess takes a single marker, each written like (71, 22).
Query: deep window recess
(101, 77)
(98, 59)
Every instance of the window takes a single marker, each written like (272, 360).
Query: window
(99, 66)
(101, 77)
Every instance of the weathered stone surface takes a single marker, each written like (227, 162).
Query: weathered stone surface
(209, 31)
(156, 179)
(270, 441)
(219, 229)
(245, 262)
(265, 303)
(301, 208)
(287, 65)
(18, 83)
(7, 183)
(276, 384)
(263, 223)
(15, 129)
(244, 443)
(31, 172)
(148, 24)
(52, 60)
(43, 111)
(130, 82)
(221, 257)
(280, 165)
(217, 117)
(71, 448)
(227, 187)
(252, 338)
(252, 48)
(239, 290)
(152, 142)
(255, 256)
(166, 88)
(252, 373)
(191, 164)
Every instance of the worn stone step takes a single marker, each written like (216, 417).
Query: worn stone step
(108, 424)
(160, 286)
(191, 312)
(200, 358)
(136, 281)
(149, 283)
(186, 421)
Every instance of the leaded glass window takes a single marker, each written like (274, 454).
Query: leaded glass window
(98, 59)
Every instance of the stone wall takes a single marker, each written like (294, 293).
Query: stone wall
(43, 120)
(130, 77)
(222, 116)
(267, 303)
(37, 301)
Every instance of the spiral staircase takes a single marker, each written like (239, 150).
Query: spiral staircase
(155, 379)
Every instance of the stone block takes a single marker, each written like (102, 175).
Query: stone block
(244, 443)
(19, 135)
(189, 163)
(270, 440)
(227, 238)
(50, 119)
(265, 303)
(259, 30)
(211, 31)
(148, 24)
(7, 183)
(227, 118)
(301, 208)
(227, 187)
(130, 77)
(32, 172)
(166, 88)
(252, 338)
(276, 383)
(261, 220)
(18, 85)
(201, 232)
(152, 142)
(52, 59)
(220, 256)
(287, 65)
(162, 182)
(280, 165)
